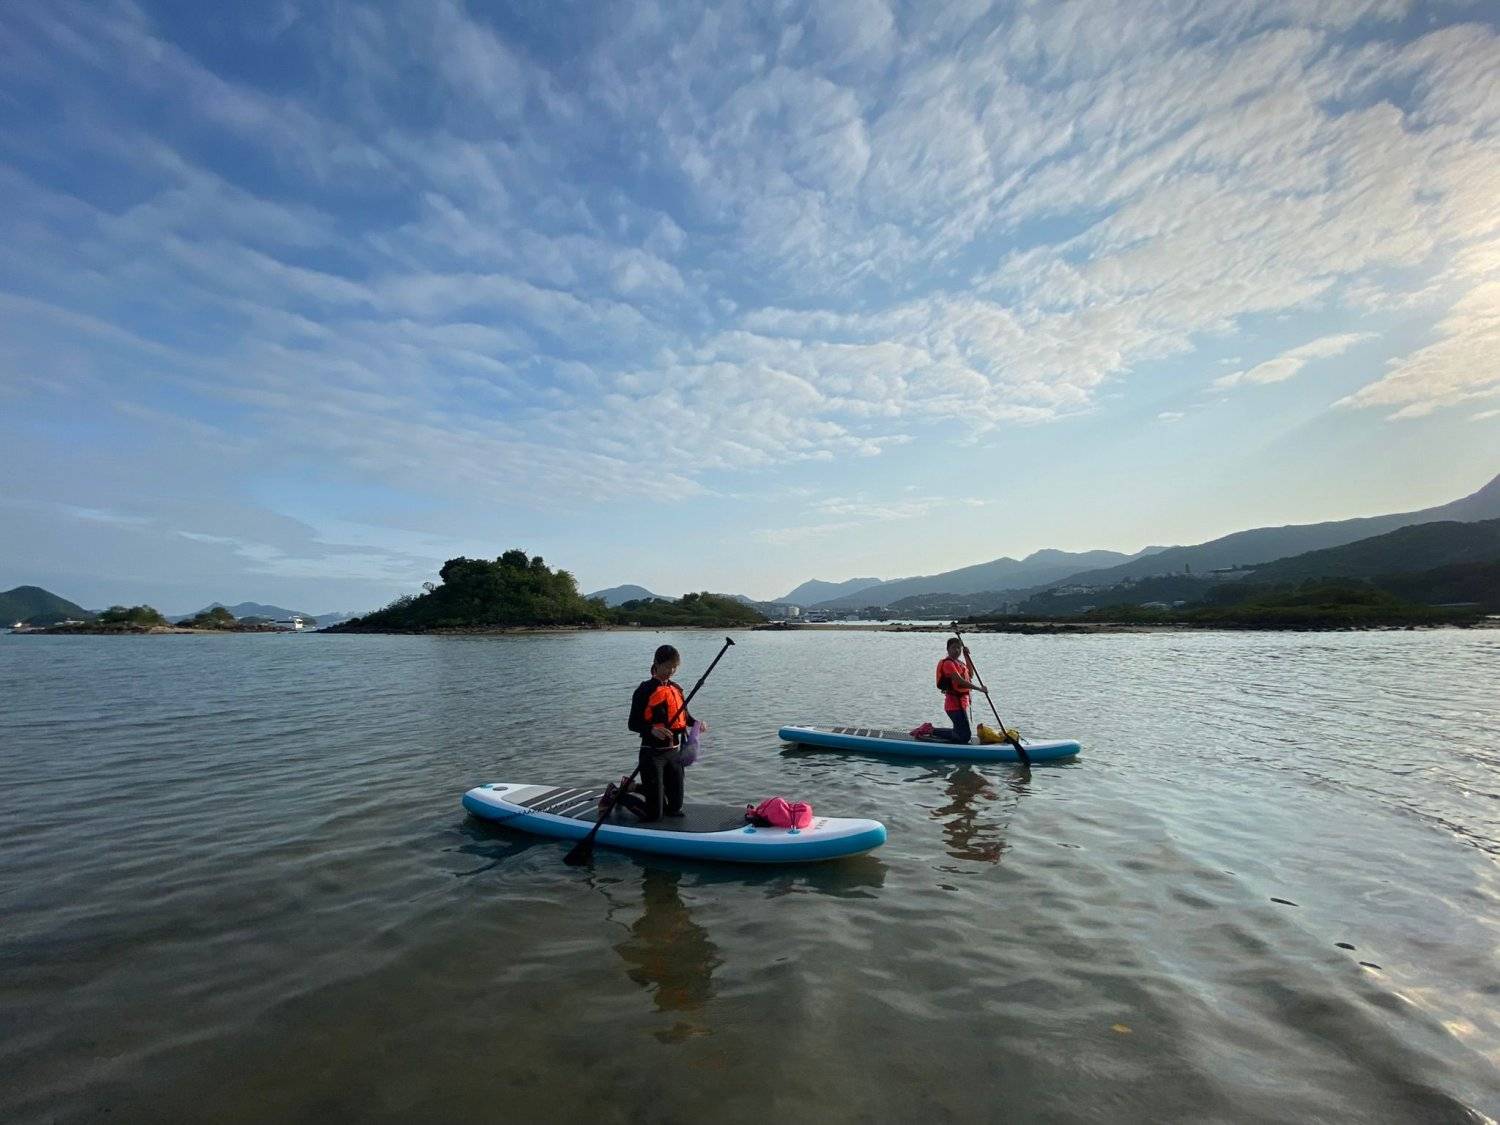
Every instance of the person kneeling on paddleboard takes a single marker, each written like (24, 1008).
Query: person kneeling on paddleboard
(955, 681)
(658, 715)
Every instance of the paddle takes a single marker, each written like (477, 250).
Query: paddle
(1004, 730)
(583, 851)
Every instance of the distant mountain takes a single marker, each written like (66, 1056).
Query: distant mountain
(1265, 544)
(249, 609)
(1431, 563)
(618, 595)
(36, 606)
(1035, 569)
(816, 590)
(1421, 546)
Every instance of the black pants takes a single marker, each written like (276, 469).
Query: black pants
(960, 732)
(660, 777)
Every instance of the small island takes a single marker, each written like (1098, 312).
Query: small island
(145, 620)
(519, 592)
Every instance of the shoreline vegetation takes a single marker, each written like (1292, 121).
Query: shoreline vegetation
(518, 592)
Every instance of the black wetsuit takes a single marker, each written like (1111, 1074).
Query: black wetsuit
(661, 778)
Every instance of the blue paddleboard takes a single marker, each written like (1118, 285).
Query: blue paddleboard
(872, 740)
(714, 832)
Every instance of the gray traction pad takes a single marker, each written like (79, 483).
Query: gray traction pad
(873, 732)
(583, 804)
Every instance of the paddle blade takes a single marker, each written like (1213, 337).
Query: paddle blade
(580, 853)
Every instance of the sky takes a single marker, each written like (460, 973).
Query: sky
(299, 300)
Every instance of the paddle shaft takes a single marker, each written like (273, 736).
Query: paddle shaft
(1004, 730)
(585, 847)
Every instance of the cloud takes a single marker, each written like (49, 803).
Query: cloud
(1171, 416)
(1462, 365)
(834, 514)
(441, 254)
(1289, 363)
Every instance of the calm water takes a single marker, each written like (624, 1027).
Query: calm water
(236, 884)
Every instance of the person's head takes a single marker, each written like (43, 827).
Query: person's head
(666, 662)
(955, 647)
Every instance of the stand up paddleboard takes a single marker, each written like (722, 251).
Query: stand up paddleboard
(897, 743)
(716, 832)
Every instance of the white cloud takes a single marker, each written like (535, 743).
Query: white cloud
(1462, 365)
(1291, 362)
(1171, 416)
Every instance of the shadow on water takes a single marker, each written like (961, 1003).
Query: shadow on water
(671, 955)
(969, 832)
(668, 954)
(493, 843)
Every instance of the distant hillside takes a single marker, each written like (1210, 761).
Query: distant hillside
(1476, 583)
(36, 606)
(1265, 544)
(619, 595)
(1427, 563)
(815, 590)
(248, 609)
(1422, 546)
(1035, 569)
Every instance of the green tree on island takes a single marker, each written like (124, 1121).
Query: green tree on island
(691, 609)
(514, 590)
(131, 615)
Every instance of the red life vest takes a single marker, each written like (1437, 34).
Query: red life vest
(955, 698)
(947, 669)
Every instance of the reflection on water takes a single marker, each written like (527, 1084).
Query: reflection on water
(670, 955)
(969, 832)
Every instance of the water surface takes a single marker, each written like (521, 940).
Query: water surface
(236, 884)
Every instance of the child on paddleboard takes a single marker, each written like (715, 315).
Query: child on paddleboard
(658, 715)
(955, 681)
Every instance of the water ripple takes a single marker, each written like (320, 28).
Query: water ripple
(236, 884)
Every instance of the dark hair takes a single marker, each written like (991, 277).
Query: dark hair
(665, 653)
(955, 641)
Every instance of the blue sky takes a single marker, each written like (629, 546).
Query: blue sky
(297, 301)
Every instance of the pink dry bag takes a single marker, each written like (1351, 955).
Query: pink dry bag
(778, 812)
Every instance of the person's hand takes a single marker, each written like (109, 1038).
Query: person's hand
(702, 727)
(661, 733)
(966, 650)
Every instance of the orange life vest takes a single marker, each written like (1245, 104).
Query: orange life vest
(664, 707)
